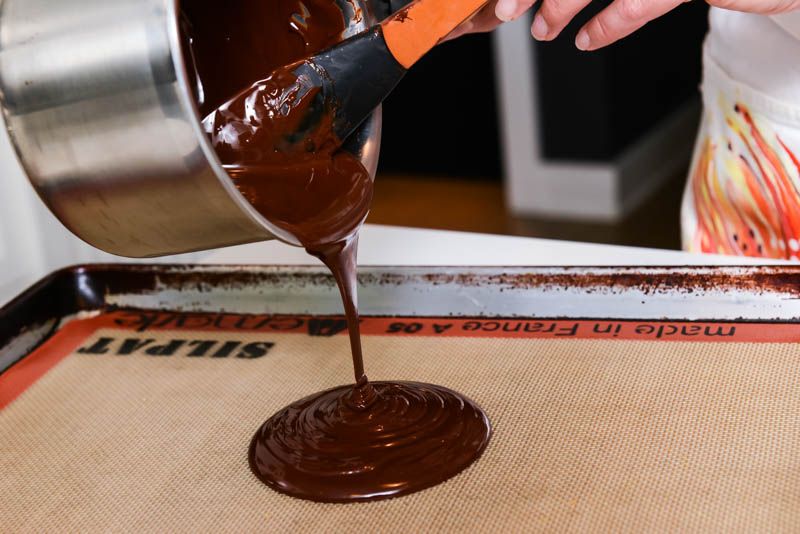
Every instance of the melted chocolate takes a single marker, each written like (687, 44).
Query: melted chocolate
(267, 123)
(329, 448)
(362, 442)
(312, 194)
(228, 45)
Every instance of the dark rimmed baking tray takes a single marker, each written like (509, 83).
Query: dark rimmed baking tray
(745, 294)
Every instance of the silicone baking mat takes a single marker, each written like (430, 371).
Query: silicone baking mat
(140, 421)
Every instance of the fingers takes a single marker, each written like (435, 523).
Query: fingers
(553, 17)
(624, 17)
(620, 19)
(508, 10)
(484, 20)
(492, 16)
(766, 7)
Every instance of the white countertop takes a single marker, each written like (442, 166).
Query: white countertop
(387, 245)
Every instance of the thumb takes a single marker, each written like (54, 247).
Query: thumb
(484, 20)
(508, 10)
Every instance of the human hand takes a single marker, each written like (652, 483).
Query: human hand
(618, 20)
(483, 21)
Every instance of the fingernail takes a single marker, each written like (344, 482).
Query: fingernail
(582, 41)
(540, 29)
(505, 10)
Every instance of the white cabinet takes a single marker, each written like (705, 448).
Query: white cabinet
(602, 191)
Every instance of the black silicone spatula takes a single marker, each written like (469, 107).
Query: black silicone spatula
(325, 97)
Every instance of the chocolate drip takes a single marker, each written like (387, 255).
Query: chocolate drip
(353, 443)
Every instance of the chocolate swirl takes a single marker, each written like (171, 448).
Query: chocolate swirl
(376, 441)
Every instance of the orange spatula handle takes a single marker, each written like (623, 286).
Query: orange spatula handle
(413, 31)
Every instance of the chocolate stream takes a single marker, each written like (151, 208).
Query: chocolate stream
(352, 443)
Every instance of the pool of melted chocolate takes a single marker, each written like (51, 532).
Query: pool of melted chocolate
(362, 442)
(331, 447)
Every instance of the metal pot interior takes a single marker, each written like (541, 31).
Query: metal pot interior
(364, 143)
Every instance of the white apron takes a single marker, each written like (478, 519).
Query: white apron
(743, 192)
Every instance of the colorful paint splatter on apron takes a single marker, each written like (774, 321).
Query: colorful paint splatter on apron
(744, 188)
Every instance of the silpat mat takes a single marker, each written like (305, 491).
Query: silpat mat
(138, 421)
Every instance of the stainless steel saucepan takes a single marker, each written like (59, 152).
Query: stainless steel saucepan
(97, 104)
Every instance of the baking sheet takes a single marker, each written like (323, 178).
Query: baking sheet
(684, 418)
(678, 293)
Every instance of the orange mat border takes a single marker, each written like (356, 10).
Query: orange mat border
(26, 372)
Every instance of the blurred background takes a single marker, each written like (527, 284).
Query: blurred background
(496, 134)
(542, 140)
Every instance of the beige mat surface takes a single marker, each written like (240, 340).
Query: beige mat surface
(604, 435)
